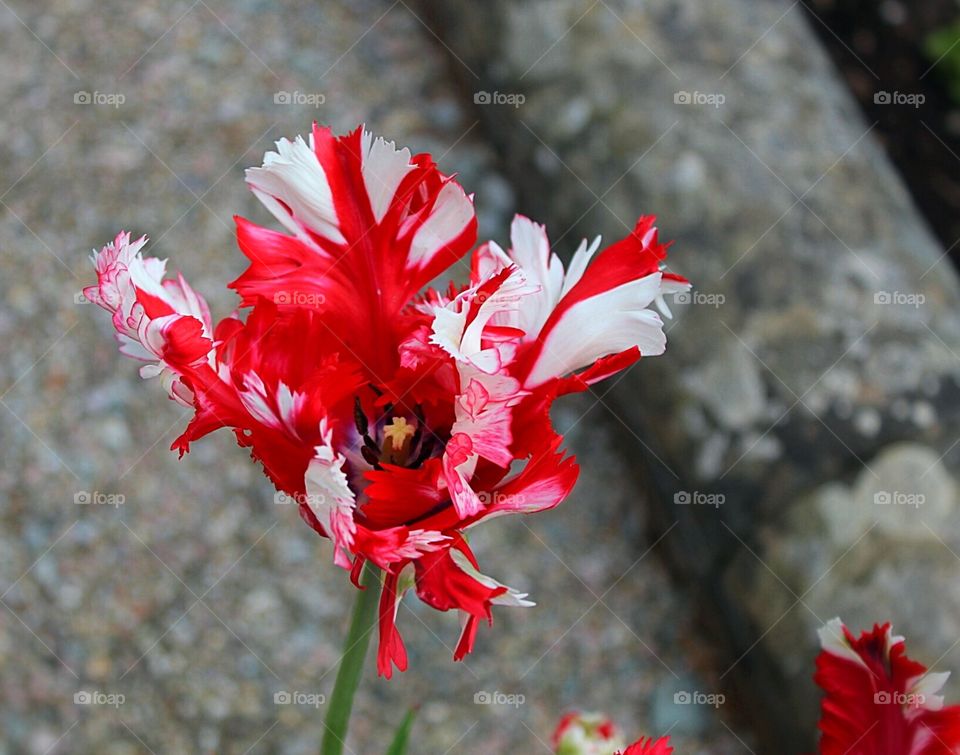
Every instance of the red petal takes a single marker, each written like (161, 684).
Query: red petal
(392, 651)
(867, 708)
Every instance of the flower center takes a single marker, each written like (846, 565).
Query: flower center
(393, 438)
(397, 435)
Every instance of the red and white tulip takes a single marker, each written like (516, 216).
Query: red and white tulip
(391, 413)
(877, 701)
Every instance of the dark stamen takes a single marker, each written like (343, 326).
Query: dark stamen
(421, 422)
(372, 457)
(425, 450)
(360, 417)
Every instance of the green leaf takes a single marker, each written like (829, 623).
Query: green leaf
(399, 744)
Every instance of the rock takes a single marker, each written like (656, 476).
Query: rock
(858, 551)
(825, 333)
(730, 386)
(910, 491)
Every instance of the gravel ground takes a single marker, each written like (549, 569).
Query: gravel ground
(197, 599)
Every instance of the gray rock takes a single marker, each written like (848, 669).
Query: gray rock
(826, 330)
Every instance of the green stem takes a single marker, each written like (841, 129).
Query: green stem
(362, 625)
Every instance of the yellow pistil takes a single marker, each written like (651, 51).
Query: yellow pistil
(398, 432)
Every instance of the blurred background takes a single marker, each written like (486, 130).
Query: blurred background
(794, 455)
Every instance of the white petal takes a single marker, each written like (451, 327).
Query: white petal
(491, 259)
(530, 250)
(509, 297)
(330, 498)
(578, 265)
(254, 398)
(447, 331)
(605, 324)
(257, 401)
(384, 168)
(293, 175)
(452, 212)
(151, 370)
(926, 687)
(147, 275)
(670, 286)
(131, 347)
(510, 598)
(451, 332)
(834, 641)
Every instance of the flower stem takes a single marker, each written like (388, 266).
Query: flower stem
(362, 625)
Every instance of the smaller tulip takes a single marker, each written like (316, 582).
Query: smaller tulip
(596, 734)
